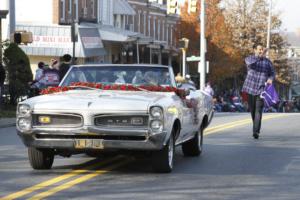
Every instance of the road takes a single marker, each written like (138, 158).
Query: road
(232, 166)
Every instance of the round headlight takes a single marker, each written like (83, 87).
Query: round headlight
(156, 112)
(24, 110)
(156, 126)
(24, 124)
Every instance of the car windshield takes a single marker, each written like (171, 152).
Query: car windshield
(135, 75)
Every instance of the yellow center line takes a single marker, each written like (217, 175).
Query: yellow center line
(229, 125)
(78, 181)
(56, 180)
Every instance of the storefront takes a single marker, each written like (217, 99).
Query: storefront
(54, 41)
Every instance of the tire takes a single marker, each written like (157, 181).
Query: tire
(193, 147)
(40, 159)
(162, 160)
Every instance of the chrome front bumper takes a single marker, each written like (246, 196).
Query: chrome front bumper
(138, 139)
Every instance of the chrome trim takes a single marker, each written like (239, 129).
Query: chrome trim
(145, 126)
(123, 131)
(151, 118)
(35, 116)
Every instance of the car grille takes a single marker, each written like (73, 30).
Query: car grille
(64, 120)
(129, 121)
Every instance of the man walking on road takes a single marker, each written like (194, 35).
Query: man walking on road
(260, 72)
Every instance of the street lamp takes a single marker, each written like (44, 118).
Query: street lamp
(183, 45)
(269, 27)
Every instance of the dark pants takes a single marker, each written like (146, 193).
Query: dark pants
(256, 105)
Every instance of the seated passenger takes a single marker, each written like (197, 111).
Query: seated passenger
(189, 80)
(138, 78)
(179, 78)
(165, 79)
(120, 79)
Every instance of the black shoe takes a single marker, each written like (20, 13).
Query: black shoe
(255, 135)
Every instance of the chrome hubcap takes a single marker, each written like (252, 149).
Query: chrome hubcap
(199, 139)
(171, 152)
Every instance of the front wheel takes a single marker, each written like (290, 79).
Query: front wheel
(193, 147)
(162, 160)
(40, 158)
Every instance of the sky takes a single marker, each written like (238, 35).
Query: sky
(290, 13)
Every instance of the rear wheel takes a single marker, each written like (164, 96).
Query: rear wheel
(193, 147)
(162, 160)
(40, 158)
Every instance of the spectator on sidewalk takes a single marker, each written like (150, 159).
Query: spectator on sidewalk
(189, 80)
(2, 79)
(39, 74)
(51, 75)
(65, 65)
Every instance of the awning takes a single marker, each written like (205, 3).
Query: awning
(122, 7)
(56, 41)
(109, 33)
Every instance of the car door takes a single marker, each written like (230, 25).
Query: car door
(189, 109)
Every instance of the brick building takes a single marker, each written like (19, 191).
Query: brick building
(109, 31)
(151, 20)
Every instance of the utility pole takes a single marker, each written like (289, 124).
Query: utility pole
(150, 55)
(137, 51)
(12, 16)
(269, 28)
(202, 45)
(74, 38)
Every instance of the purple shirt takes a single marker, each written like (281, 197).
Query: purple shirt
(259, 70)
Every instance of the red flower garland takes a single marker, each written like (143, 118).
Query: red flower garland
(153, 88)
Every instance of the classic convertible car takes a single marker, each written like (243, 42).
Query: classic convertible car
(115, 107)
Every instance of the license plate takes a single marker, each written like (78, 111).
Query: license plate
(89, 144)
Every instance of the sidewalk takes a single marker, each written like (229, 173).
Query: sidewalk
(7, 122)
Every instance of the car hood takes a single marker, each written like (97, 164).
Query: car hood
(106, 100)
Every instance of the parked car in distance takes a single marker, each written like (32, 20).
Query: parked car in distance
(115, 107)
